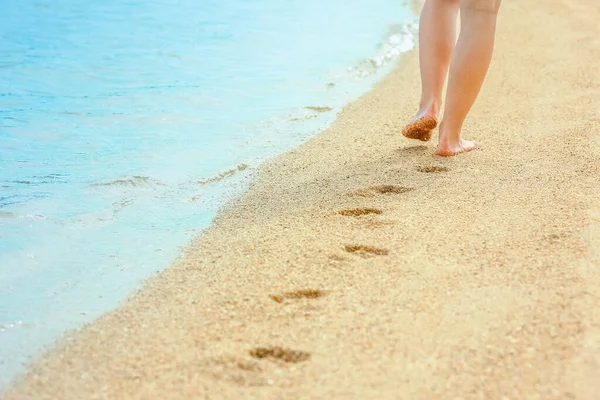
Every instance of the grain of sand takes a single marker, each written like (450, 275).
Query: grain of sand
(481, 282)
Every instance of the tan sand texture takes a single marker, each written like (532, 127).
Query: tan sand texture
(362, 266)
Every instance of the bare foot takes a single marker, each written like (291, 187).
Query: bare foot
(420, 128)
(446, 149)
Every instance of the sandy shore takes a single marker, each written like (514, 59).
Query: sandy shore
(360, 265)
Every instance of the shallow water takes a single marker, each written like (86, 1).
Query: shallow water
(125, 125)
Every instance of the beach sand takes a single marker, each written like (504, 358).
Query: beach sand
(361, 265)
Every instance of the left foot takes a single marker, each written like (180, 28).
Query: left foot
(423, 123)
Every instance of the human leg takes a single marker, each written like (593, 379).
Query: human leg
(468, 67)
(437, 35)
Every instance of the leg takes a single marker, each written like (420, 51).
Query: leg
(468, 67)
(437, 34)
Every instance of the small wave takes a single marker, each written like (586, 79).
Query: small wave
(118, 206)
(13, 199)
(12, 215)
(75, 113)
(121, 204)
(53, 178)
(304, 117)
(7, 214)
(318, 109)
(223, 175)
(33, 216)
(14, 325)
(399, 39)
(133, 181)
(308, 112)
(40, 180)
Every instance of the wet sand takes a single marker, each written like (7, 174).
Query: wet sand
(361, 265)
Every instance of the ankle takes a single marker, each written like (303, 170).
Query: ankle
(449, 134)
(430, 107)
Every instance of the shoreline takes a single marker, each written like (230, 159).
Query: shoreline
(338, 274)
(168, 207)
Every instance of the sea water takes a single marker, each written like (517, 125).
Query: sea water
(126, 124)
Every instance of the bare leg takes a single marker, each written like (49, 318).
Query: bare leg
(468, 67)
(437, 34)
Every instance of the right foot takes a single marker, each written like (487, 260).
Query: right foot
(445, 149)
(420, 128)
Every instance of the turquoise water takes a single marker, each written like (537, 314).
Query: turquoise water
(116, 115)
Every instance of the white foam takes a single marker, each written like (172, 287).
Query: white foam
(400, 39)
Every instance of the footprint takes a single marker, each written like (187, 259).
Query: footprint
(390, 189)
(382, 189)
(235, 370)
(357, 212)
(298, 294)
(555, 237)
(432, 169)
(238, 363)
(366, 251)
(280, 353)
